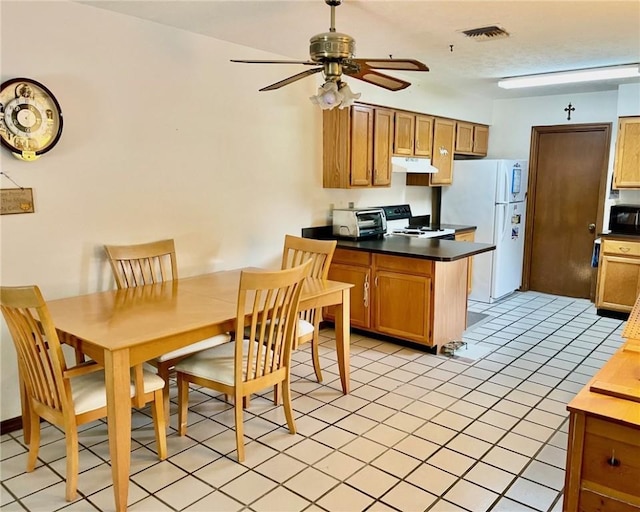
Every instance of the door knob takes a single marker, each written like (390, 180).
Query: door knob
(591, 227)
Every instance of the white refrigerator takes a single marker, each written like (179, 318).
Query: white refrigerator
(490, 194)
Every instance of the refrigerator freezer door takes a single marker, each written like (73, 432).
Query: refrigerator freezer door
(471, 200)
(512, 181)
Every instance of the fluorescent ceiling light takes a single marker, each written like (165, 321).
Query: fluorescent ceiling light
(569, 77)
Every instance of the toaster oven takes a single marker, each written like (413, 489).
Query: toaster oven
(359, 223)
(625, 219)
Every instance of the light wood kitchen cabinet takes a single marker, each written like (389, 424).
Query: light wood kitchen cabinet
(626, 170)
(382, 141)
(467, 236)
(413, 299)
(444, 134)
(471, 139)
(402, 297)
(618, 283)
(412, 135)
(357, 146)
(353, 267)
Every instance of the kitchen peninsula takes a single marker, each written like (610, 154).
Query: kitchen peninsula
(412, 289)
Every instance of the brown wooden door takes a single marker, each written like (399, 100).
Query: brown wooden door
(567, 181)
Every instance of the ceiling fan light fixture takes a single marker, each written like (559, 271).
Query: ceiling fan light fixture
(334, 94)
(569, 77)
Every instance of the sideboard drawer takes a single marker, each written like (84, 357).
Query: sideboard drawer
(591, 501)
(612, 456)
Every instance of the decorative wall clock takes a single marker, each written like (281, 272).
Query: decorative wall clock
(30, 118)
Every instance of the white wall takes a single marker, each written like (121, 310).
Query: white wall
(510, 135)
(164, 137)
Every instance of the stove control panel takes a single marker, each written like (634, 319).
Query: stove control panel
(397, 212)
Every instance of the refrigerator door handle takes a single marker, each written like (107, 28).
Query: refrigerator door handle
(505, 225)
(507, 185)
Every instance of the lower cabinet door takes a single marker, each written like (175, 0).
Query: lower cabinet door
(360, 293)
(618, 278)
(402, 305)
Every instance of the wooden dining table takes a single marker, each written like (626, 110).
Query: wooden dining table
(124, 328)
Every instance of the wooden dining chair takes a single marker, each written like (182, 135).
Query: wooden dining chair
(148, 263)
(320, 252)
(268, 307)
(66, 397)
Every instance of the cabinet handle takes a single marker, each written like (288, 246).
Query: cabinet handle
(613, 462)
(624, 249)
(376, 282)
(366, 291)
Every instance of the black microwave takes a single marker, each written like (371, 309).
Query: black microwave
(625, 219)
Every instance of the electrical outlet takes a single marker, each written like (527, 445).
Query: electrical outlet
(351, 204)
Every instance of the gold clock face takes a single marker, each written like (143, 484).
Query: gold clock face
(30, 118)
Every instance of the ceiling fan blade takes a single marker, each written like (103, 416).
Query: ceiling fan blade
(397, 64)
(291, 79)
(305, 62)
(373, 77)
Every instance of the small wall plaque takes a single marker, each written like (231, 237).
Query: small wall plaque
(16, 200)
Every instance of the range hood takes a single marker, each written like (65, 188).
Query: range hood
(414, 165)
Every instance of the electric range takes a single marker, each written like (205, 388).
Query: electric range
(400, 222)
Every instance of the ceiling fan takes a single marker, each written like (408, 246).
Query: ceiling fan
(334, 54)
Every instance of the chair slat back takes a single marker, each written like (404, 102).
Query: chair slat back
(140, 264)
(297, 250)
(268, 305)
(41, 362)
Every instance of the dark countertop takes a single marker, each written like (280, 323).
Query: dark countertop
(620, 236)
(458, 228)
(423, 248)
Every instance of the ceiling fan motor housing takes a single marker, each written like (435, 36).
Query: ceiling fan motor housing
(331, 46)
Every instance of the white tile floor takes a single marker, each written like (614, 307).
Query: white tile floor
(483, 431)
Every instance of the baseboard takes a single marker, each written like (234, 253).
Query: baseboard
(10, 425)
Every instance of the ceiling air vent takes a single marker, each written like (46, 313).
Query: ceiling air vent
(486, 33)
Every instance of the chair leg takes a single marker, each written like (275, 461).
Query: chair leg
(26, 413)
(276, 394)
(316, 356)
(238, 410)
(183, 403)
(34, 440)
(159, 424)
(288, 411)
(72, 462)
(163, 372)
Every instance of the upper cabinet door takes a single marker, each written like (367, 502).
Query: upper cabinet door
(403, 134)
(361, 145)
(480, 139)
(444, 134)
(626, 171)
(424, 134)
(464, 137)
(382, 142)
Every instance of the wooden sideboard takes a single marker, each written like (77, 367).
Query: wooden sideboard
(603, 457)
